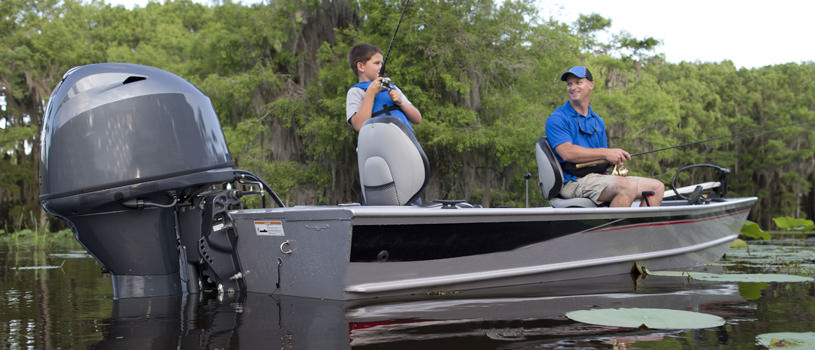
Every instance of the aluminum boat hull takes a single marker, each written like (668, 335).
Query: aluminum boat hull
(358, 252)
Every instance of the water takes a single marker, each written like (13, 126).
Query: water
(58, 298)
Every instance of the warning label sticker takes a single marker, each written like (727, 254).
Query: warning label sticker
(269, 228)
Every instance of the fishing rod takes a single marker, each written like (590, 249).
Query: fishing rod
(753, 132)
(386, 81)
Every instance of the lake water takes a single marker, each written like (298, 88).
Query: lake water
(58, 298)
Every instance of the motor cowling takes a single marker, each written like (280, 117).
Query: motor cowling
(122, 144)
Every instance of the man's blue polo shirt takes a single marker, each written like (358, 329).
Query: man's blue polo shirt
(562, 126)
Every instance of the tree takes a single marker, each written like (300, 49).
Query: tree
(485, 76)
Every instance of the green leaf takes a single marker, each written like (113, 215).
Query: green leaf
(739, 243)
(752, 230)
(648, 318)
(793, 224)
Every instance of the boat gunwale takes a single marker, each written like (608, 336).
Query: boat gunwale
(377, 215)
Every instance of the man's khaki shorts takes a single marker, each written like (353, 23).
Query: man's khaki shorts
(589, 186)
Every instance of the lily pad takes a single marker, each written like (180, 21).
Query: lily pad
(752, 230)
(787, 340)
(44, 267)
(69, 255)
(646, 318)
(769, 250)
(793, 224)
(732, 277)
(739, 243)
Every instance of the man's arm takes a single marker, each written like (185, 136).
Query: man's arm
(578, 154)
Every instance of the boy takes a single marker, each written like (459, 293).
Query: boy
(367, 99)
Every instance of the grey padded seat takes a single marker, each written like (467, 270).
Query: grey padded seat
(550, 178)
(393, 168)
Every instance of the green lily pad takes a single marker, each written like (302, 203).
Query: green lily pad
(646, 318)
(739, 243)
(793, 224)
(787, 340)
(742, 277)
(752, 230)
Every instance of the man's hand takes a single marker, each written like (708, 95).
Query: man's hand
(616, 155)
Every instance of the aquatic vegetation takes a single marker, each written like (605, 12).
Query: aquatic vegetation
(791, 256)
(752, 291)
(646, 318)
(794, 224)
(44, 267)
(739, 243)
(733, 277)
(787, 340)
(71, 255)
(38, 239)
(784, 223)
(752, 230)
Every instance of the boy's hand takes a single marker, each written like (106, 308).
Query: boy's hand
(395, 96)
(374, 88)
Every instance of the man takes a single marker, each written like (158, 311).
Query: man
(578, 135)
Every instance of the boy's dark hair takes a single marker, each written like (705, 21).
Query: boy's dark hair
(361, 53)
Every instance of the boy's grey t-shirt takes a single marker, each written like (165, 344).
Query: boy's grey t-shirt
(353, 101)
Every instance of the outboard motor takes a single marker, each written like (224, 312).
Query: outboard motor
(393, 168)
(129, 158)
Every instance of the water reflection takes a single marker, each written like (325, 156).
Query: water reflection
(249, 322)
(72, 307)
(531, 314)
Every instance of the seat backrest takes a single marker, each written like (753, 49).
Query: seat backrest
(550, 176)
(393, 168)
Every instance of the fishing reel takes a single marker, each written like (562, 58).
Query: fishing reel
(386, 83)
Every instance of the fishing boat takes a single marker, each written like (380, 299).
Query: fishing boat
(134, 159)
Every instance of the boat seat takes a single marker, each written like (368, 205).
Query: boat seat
(550, 178)
(393, 168)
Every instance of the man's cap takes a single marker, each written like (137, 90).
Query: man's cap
(578, 71)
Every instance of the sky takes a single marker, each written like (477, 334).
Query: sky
(750, 33)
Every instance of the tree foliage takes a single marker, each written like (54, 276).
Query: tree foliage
(484, 74)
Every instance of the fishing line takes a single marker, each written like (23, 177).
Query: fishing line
(387, 53)
(754, 132)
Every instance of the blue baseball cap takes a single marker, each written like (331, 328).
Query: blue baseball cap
(578, 71)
